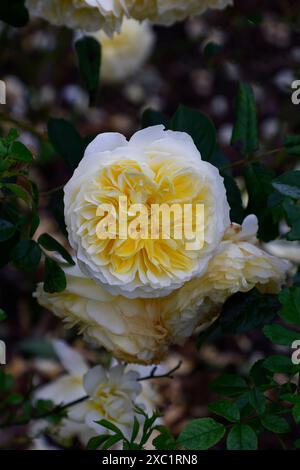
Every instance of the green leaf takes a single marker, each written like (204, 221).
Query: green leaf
(225, 408)
(255, 18)
(56, 206)
(19, 192)
(280, 335)
(292, 144)
(89, 57)
(297, 443)
(50, 244)
(14, 399)
(245, 133)
(291, 398)
(201, 434)
(288, 184)
(258, 181)
(296, 413)
(151, 117)
(211, 50)
(108, 425)
(21, 153)
(165, 440)
(241, 313)
(95, 442)
(12, 135)
(44, 406)
(35, 347)
(111, 441)
(14, 12)
(26, 255)
(229, 385)
(257, 400)
(275, 423)
(242, 437)
(7, 230)
(2, 315)
(66, 141)
(260, 376)
(292, 215)
(6, 381)
(280, 364)
(234, 199)
(290, 300)
(55, 278)
(199, 127)
(135, 429)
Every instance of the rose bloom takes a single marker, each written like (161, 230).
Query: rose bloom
(70, 386)
(92, 15)
(89, 15)
(154, 167)
(141, 330)
(112, 396)
(126, 52)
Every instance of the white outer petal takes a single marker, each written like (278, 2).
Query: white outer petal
(72, 361)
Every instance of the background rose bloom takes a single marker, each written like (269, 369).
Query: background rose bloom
(141, 330)
(93, 15)
(125, 53)
(69, 387)
(112, 396)
(154, 167)
(77, 14)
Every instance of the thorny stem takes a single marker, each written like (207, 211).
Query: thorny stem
(60, 408)
(249, 159)
(57, 409)
(168, 375)
(53, 190)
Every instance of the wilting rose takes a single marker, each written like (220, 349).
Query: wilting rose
(126, 52)
(141, 330)
(92, 15)
(154, 167)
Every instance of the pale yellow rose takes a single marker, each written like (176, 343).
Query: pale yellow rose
(88, 15)
(154, 167)
(238, 266)
(134, 330)
(141, 330)
(126, 52)
(92, 15)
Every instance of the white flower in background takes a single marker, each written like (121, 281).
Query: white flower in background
(126, 52)
(92, 15)
(65, 389)
(154, 167)
(70, 387)
(141, 330)
(112, 396)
